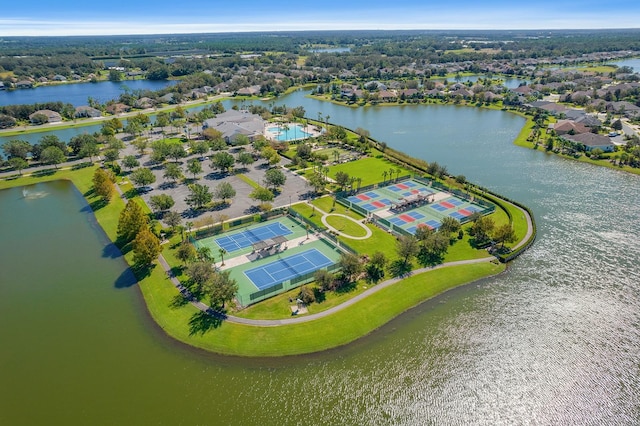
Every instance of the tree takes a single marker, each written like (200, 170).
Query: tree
(342, 179)
(222, 161)
(103, 184)
(18, 163)
(222, 252)
(306, 295)
(481, 229)
(504, 234)
(111, 155)
(173, 219)
(115, 75)
(130, 161)
(132, 220)
(16, 148)
(274, 178)
(261, 194)
(433, 248)
(186, 253)
(204, 254)
(324, 279)
(199, 148)
(52, 155)
(245, 159)
(211, 134)
(200, 273)
(616, 125)
(224, 191)
(270, 155)
(173, 172)
(221, 288)
(304, 150)
(317, 182)
(141, 144)
(199, 195)
(161, 202)
(89, 149)
(449, 225)
(194, 167)
(375, 267)
(407, 247)
(83, 145)
(350, 265)
(142, 176)
(162, 120)
(146, 247)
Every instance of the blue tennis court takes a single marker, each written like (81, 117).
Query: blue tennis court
(438, 207)
(284, 269)
(455, 201)
(415, 215)
(248, 236)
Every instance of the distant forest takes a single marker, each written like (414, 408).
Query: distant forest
(42, 56)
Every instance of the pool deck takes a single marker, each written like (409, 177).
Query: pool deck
(309, 129)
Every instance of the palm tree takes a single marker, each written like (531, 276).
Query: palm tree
(391, 170)
(204, 253)
(384, 176)
(359, 182)
(222, 253)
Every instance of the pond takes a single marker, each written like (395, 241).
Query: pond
(553, 340)
(77, 94)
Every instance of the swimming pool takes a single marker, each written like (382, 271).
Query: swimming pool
(290, 133)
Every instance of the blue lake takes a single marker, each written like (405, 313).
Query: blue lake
(77, 94)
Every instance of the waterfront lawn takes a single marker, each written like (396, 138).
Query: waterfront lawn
(278, 307)
(186, 324)
(368, 169)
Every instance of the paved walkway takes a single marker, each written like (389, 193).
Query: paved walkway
(296, 320)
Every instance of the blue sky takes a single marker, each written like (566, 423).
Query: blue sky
(63, 17)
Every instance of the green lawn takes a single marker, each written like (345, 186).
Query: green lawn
(369, 169)
(346, 226)
(336, 330)
(187, 324)
(326, 204)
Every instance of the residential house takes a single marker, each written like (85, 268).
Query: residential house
(51, 116)
(564, 127)
(591, 141)
(24, 84)
(87, 111)
(249, 91)
(117, 108)
(144, 103)
(387, 96)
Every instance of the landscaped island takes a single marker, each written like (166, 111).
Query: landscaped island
(366, 234)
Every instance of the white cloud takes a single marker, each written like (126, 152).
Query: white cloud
(439, 21)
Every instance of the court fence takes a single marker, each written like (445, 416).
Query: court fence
(282, 287)
(236, 223)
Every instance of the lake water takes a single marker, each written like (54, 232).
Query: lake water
(78, 94)
(554, 340)
(634, 63)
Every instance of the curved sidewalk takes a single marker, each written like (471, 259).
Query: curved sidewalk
(296, 320)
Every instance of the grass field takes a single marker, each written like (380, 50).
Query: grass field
(369, 169)
(189, 325)
(346, 226)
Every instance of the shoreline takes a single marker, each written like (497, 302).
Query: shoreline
(237, 336)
